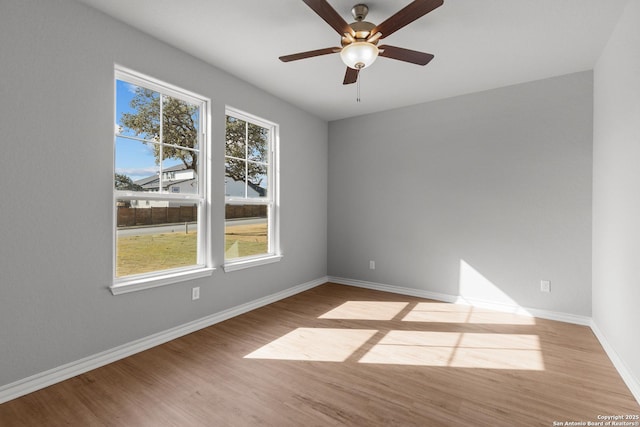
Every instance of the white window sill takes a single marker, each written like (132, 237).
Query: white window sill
(133, 285)
(251, 262)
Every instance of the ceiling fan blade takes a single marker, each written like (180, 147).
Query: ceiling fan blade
(415, 10)
(406, 55)
(309, 54)
(351, 76)
(329, 14)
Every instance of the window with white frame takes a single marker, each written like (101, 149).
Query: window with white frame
(251, 209)
(161, 195)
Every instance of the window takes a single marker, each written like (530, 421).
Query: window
(161, 195)
(251, 210)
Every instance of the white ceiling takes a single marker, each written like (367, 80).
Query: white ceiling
(478, 45)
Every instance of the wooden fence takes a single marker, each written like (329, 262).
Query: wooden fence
(131, 217)
(245, 211)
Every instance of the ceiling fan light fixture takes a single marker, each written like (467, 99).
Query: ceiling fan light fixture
(359, 55)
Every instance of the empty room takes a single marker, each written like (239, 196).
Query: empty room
(320, 212)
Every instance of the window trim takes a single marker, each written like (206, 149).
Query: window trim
(272, 202)
(204, 263)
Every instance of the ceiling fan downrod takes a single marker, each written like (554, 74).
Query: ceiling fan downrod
(360, 12)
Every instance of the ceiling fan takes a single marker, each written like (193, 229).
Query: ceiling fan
(360, 38)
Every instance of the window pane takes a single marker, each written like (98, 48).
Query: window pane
(180, 122)
(236, 138)
(135, 167)
(155, 235)
(158, 147)
(234, 182)
(176, 176)
(137, 111)
(258, 140)
(246, 231)
(248, 158)
(257, 182)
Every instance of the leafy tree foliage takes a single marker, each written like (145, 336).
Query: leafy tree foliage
(179, 125)
(123, 182)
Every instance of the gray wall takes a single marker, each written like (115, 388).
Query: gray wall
(56, 125)
(616, 191)
(482, 195)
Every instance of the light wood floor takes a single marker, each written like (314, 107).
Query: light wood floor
(338, 355)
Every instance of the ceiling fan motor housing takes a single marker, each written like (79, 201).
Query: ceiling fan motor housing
(362, 30)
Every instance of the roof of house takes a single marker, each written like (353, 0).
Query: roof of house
(152, 182)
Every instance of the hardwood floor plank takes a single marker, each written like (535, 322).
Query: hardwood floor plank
(338, 355)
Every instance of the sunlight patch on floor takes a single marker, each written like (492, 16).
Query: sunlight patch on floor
(414, 348)
(459, 350)
(366, 310)
(317, 344)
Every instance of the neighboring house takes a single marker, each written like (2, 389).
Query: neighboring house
(179, 179)
(175, 179)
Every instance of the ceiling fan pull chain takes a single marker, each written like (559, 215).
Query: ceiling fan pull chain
(358, 87)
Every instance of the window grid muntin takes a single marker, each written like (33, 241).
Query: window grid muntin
(270, 127)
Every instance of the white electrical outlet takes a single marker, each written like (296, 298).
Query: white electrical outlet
(195, 293)
(545, 286)
(372, 265)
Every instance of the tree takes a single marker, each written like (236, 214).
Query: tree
(179, 125)
(123, 182)
(249, 165)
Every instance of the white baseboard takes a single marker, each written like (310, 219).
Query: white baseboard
(61, 373)
(393, 289)
(456, 299)
(627, 376)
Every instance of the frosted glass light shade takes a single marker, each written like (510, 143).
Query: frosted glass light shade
(359, 55)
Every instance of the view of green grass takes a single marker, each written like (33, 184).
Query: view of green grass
(152, 252)
(245, 240)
